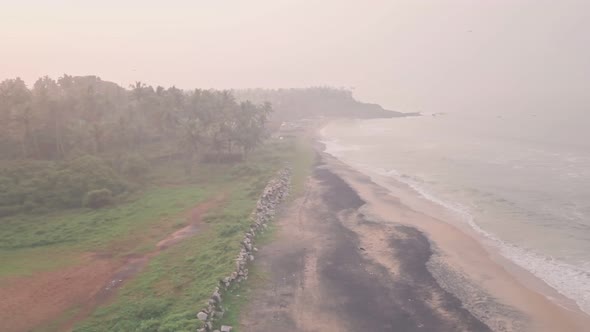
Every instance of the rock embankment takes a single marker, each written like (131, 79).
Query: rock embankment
(274, 193)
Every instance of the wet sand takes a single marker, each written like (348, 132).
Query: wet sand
(495, 291)
(352, 256)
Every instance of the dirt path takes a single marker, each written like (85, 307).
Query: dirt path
(330, 269)
(38, 300)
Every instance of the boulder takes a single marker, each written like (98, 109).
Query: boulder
(202, 316)
(216, 296)
(226, 328)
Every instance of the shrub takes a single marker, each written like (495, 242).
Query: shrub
(81, 175)
(98, 198)
(41, 186)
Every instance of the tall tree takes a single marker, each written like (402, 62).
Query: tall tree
(16, 106)
(47, 101)
(250, 129)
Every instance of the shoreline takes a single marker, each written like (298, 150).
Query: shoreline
(416, 200)
(542, 308)
(464, 254)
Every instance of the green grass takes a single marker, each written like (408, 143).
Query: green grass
(177, 282)
(32, 243)
(95, 228)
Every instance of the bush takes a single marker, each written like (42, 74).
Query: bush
(80, 176)
(98, 198)
(40, 186)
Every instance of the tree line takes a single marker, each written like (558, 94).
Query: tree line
(82, 141)
(86, 115)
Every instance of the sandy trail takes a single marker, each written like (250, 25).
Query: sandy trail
(34, 301)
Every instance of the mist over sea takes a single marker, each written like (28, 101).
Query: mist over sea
(520, 179)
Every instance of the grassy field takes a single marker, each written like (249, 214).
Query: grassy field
(166, 294)
(28, 241)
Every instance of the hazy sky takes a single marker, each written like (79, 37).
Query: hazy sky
(437, 55)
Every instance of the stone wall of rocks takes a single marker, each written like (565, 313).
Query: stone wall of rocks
(274, 193)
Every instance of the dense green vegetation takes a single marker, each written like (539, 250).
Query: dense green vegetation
(73, 115)
(34, 242)
(36, 186)
(81, 141)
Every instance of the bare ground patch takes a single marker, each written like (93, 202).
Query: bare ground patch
(29, 302)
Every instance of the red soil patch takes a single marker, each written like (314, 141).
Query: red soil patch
(30, 302)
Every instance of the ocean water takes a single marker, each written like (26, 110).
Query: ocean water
(521, 180)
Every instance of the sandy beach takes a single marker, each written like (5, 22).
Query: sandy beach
(352, 256)
(498, 293)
